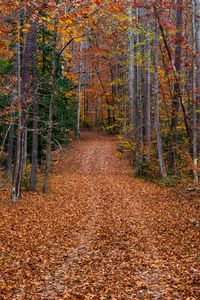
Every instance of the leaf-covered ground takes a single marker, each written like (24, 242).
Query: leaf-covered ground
(99, 234)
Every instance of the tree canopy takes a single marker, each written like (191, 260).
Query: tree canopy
(129, 67)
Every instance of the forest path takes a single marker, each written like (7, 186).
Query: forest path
(100, 234)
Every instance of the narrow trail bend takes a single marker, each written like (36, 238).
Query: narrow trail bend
(100, 234)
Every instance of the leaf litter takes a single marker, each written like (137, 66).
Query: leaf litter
(99, 234)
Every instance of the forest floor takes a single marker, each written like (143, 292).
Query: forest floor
(99, 234)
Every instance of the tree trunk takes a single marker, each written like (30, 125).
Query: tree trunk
(196, 36)
(51, 105)
(138, 137)
(24, 92)
(10, 147)
(176, 78)
(148, 97)
(131, 69)
(78, 109)
(114, 92)
(48, 150)
(12, 127)
(157, 117)
(79, 93)
(175, 102)
(197, 27)
(34, 162)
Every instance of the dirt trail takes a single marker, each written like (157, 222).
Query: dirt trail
(100, 234)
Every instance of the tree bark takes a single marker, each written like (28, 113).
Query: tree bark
(24, 92)
(148, 97)
(195, 81)
(79, 92)
(157, 117)
(175, 102)
(51, 105)
(176, 77)
(34, 162)
(131, 69)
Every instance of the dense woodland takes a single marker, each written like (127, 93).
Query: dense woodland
(131, 68)
(99, 149)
